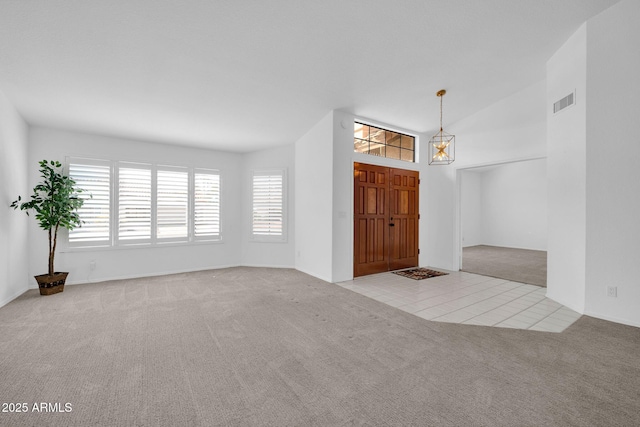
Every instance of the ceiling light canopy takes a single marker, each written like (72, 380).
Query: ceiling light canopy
(442, 150)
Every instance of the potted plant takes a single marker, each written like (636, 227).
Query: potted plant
(56, 202)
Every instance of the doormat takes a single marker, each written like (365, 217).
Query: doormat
(419, 273)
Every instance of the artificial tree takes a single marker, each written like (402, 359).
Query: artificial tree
(55, 201)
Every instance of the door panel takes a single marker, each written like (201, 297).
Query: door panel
(404, 217)
(371, 208)
(382, 244)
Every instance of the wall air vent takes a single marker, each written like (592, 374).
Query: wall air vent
(565, 102)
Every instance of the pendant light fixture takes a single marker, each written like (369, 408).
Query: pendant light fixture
(442, 150)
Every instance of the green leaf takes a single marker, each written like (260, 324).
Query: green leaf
(55, 199)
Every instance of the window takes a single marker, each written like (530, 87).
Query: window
(206, 204)
(382, 142)
(93, 176)
(268, 201)
(134, 203)
(173, 204)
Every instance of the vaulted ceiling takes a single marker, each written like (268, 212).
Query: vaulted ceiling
(241, 75)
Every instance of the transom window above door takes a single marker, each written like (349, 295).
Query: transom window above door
(381, 142)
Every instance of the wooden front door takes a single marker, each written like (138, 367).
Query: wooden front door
(385, 219)
(403, 221)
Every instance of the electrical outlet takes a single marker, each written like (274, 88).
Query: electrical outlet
(612, 291)
(92, 265)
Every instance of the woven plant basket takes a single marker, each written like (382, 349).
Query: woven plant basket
(51, 284)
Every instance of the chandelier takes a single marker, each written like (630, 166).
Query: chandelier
(442, 150)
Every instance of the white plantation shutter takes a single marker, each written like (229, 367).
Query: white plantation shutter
(93, 176)
(206, 209)
(144, 204)
(267, 219)
(134, 203)
(172, 204)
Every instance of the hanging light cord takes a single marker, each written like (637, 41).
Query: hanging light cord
(440, 94)
(441, 113)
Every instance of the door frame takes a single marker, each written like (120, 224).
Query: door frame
(457, 246)
(388, 214)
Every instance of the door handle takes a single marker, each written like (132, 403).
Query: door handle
(392, 225)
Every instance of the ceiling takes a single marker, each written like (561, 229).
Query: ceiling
(243, 75)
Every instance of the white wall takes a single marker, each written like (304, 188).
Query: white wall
(441, 219)
(260, 253)
(314, 200)
(613, 163)
(506, 205)
(343, 235)
(566, 174)
(471, 208)
(13, 182)
(135, 262)
(513, 128)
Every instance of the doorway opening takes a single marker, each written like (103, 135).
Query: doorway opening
(386, 214)
(503, 221)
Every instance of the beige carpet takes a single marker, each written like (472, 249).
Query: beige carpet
(517, 265)
(247, 347)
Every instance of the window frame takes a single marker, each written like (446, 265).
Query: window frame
(414, 151)
(114, 241)
(118, 241)
(189, 220)
(93, 162)
(283, 237)
(192, 230)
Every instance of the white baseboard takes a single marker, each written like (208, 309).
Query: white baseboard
(317, 276)
(163, 273)
(566, 303)
(155, 274)
(10, 298)
(267, 266)
(612, 318)
(592, 313)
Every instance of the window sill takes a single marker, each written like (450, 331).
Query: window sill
(263, 240)
(69, 249)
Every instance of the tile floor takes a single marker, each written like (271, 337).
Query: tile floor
(468, 298)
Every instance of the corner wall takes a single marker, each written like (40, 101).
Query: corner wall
(13, 182)
(612, 164)
(314, 200)
(342, 247)
(566, 173)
